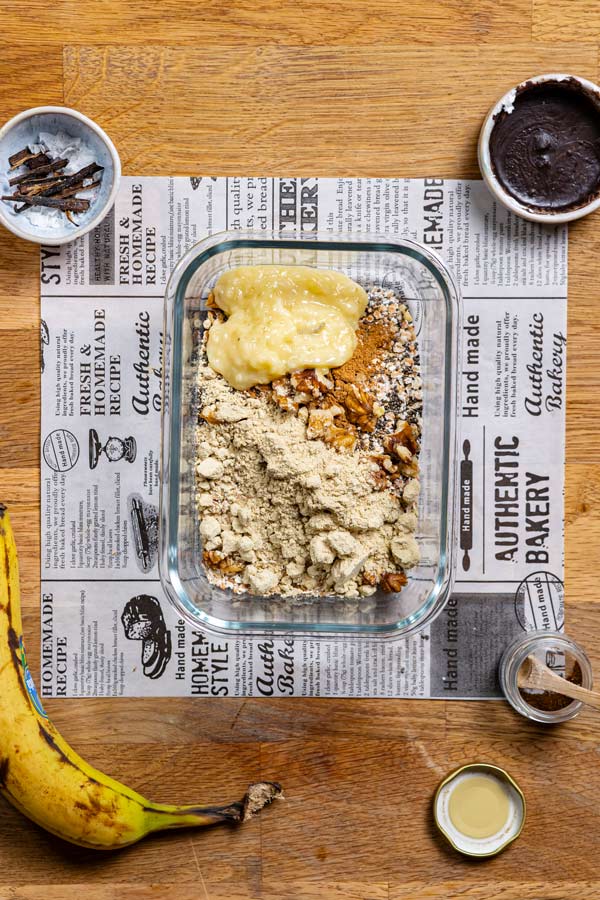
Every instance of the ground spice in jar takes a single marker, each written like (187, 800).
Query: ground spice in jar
(549, 701)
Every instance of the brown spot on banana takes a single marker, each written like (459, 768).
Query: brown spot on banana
(52, 743)
(93, 803)
(6, 574)
(3, 772)
(98, 805)
(13, 641)
(93, 811)
(14, 646)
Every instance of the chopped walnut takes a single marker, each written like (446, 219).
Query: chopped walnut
(286, 403)
(307, 382)
(387, 471)
(320, 420)
(212, 558)
(209, 415)
(380, 478)
(340, 438)
(403, 439)
(369, 577)
(393, 582)
(224, 564)
(321, 425)
(360, 408)
(231, 567)
(410, 469)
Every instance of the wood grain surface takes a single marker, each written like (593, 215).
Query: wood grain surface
(336, 88)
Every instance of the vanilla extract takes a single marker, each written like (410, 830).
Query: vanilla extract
(31, 160)
(44, 184)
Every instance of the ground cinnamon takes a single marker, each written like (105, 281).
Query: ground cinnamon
(373, 341)
(549, 701)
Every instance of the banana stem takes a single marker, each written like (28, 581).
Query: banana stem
(159, 818)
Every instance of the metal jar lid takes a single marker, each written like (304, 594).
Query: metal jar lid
(480, 847)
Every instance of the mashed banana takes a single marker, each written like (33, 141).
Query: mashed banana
(281, 319)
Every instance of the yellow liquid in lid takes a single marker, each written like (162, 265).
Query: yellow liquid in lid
(479, 806)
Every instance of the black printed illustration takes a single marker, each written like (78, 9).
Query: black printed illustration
(540, 602)
(143, 621)
(466, 506)
(44, 340)
(114, 449)
(195, 182)
(60, 450)
(144, 522)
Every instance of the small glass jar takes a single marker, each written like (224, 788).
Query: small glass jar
(554, 650)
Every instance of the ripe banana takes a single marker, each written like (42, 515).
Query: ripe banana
(47, 781)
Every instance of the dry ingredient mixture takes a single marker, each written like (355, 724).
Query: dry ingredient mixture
(309, 485)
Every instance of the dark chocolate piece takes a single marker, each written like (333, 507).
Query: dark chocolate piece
(546, 152)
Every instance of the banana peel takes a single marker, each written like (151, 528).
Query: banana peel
(43, 777)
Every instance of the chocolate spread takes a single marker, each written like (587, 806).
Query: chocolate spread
(546, 152)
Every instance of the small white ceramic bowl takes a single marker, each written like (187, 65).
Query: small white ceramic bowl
(24, 129)
(485, 164)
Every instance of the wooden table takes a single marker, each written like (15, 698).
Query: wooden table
(338, 87)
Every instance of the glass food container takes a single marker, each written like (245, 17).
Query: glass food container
(431, 293)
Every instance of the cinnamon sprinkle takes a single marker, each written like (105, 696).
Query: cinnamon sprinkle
(374, 339)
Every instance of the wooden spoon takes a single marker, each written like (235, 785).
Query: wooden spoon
(534, 674)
